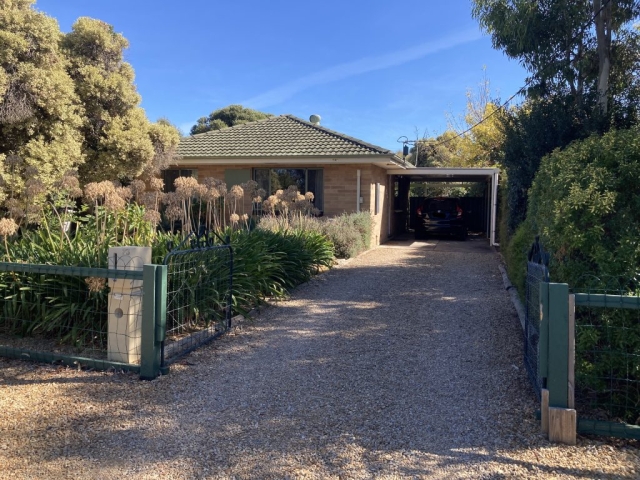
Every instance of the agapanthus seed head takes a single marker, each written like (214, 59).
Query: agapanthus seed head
(309, 196)
(148, 199)
(212, 194)
(137, 187)
(14, 208)
(92, 192)
(8, 227)
(236, 192)
(33, 214)
(173, 212)
(69, 185)
(156, 184)
(245, 217)
(152, 216)
(234, 217)
(114, 202)
(95, 284)
(171, 198)
(34, 188)
(185, 186)
(250, 187)
(201, 191)
(124, 193)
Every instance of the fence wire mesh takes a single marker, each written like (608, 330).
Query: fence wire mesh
(607, 352)
(199, 282)
(537, 272)
(73, 315)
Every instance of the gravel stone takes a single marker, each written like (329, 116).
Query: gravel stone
(404, 362)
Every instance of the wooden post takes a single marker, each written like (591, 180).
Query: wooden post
(544, 411)
(562, 425)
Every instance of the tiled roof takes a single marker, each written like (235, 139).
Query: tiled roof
(282, 136)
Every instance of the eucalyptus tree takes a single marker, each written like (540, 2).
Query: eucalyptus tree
(570, 47)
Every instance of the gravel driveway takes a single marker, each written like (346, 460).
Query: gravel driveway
(403, 363)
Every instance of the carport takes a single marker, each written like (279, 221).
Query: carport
(401, 179)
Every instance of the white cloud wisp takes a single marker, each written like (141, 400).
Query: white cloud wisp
(358, 67)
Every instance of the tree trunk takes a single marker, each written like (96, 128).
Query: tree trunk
(603, 37)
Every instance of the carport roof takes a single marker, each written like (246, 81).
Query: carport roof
(436, 174)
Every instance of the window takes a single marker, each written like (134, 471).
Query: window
(169, 177)
(305, 179)
(377, 197)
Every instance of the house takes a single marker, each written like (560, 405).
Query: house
(345, 174)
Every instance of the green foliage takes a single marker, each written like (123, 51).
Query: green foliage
(531, 132)
(585, 203)
(39, 111)
(350, 233)
(548, 37)
(227, 117)
(515, 255)
(572, 91)
(119, 141)
(69, 101)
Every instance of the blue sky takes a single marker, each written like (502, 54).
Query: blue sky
(375, 70)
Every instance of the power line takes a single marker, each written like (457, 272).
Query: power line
(523, 88)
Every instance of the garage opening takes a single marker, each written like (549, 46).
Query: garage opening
(475, 191)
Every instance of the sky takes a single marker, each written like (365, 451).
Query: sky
(375, 70)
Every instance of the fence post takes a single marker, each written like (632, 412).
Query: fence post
(558, 379)
(543, 340)
(562, 419)
(150, 358)
(161, 312)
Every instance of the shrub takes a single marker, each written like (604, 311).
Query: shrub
(585, 204)
(349, 233)
(516, 256)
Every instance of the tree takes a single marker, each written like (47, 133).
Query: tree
(40, 113)
(473, 139)
(227, 117)
(556, 43)
(118, 140)
(69, 102)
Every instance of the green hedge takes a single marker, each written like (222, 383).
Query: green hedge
(585, 204)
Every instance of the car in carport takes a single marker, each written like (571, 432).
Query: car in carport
(440, 216)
